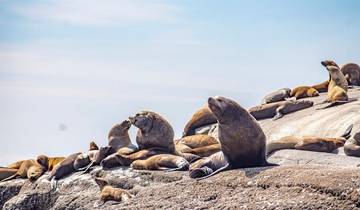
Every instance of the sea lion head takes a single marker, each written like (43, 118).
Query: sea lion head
(43, 160)
(35, 171)
(101, 182)
(143, 120)
(326, 63)
(93, 146)
(120, 129)
(312, 92)
(225, 110)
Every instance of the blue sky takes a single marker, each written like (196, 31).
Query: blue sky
(69, 69)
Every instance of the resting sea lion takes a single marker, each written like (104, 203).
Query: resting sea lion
(109, 193)
(310, 143)
(15, 165)
(200, 145)
(93, 146)
(161, 162)
(243, 142)
(31, 169)
(50, 162)
(304, 92)
(69, 165)
(279, 95)
(200, 118)
(322, 87)
(7, 172)
(278, 109)
(351, 71)
(97, 157)
(352, 146)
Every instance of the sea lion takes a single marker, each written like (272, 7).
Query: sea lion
(352, 146)
(93, 146)
(109, 193)
(7, 172)
(119, 137)
(322, 87)
(243, 142)
(310, 143)
(200, 118)
(278, 109)
(279, 95)
(304, 92)
(70, 164)
(200, 145)
(31, 169)
(97, 157)
(50, 162)
(326, 63)
(351, 71)
(165, 162)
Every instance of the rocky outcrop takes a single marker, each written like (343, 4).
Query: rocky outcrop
(303, 180)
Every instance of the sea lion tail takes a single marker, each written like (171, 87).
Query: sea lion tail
(227, 166)
(347, 132)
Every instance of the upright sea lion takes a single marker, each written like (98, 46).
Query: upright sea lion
(31, 169)
(7, 172)
(162, 162)
(109, 193)
(304, 92)
(93, 146)
(119, 137)
(326, 63)
(200, 118)
(200, 145)
(352, 146)
(278, 109)
(351, 71)
(279, 95)
(243, 142)
(310, 143)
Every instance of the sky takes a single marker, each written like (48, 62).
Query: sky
(70, 69)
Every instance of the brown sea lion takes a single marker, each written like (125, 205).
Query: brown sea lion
(7, 172)
(165, 162)
(278, 109)
(69, 165)
(97, 157)
(279, 95)
(15, 165)
(93, 146)
(352, 146)
(322, 87)
(243, 142)
(351, 71)
(310, 143)
(119, 137)
(50, 162)
(200, 118)
(200, 145)
(109, 193)
(304, 92)
(31, 169)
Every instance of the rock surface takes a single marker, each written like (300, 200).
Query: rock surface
(305, 180)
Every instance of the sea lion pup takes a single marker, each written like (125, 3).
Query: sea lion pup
(351, 71)
(352, 146)
(97, 157)
(109, 193)
(200, 118)
(278, 109)
(304, 92)
(119, 137)
(155, 136)
(279, 95)
(7, 172)
(31, 169)
(69, 165)
(164, 162)
(50, 162)
(93, 146)
(310, 143)
(243, 142)
(200, 145)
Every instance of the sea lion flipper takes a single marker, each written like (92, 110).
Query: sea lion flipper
(347, 132)
(99, 203)
(54, 183)
(277, 116)
(215, 172)
(9, 178)
(86, 168)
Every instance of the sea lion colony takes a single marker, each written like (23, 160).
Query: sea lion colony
(239, 143)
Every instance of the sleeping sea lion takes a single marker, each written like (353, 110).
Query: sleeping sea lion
(279, 95)
(200, 145)
(165, 162)
(200, 118)
(304, 92)
(31, 169)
